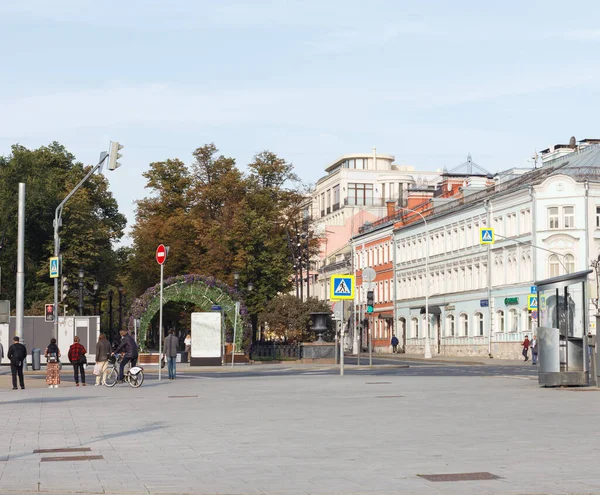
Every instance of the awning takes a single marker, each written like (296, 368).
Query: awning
(386, 316)
(433, 310)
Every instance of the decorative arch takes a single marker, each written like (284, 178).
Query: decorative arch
(203, 292)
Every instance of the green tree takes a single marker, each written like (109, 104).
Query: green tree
(91, 221)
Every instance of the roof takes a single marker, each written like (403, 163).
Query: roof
(332, 165)
(580, 165)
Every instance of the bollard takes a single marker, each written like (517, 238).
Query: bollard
(36, 364)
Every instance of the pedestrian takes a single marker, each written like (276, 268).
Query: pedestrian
(77, 357)
(52, 354)
(526, 344)
(188, 344)
(171, 352)
(17, 354)
(534, 350)
(102, 352)
(1, 353)
(395, 343)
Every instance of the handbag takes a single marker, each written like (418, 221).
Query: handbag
(97, 368)
(162, 362)
(82, 359)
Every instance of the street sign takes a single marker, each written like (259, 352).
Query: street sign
(533, 289)
(161, 254)
(534, 314)
(215, 307)
(484, 303)
(486, 236)
(532, 302)
(54, 267)
(342, 287)
(368, 274)
(337, 309)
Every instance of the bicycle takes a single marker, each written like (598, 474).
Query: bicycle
(134, 374)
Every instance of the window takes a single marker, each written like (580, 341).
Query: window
(336, 197)
(500, 321)
(415, 327)
(568, 217)
(570, 263)
(598, 217)
(527, 320)
(479, 324)
(513, 321)
(554, 268)
(464, 325)
(450, 325)
(553, 217)
(360, 194)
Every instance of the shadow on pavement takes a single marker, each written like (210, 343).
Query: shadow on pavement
(36, 400)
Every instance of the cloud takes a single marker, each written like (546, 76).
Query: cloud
(583, 34)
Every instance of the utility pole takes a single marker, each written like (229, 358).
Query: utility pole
(21, 263)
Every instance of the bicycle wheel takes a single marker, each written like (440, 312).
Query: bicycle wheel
(111, 378)
(136, 380)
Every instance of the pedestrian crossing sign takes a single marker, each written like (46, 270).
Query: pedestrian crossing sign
(342, 287)
(532, 304)
(54, 270)
(486, 236)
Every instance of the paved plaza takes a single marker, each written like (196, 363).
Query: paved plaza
(310, 431)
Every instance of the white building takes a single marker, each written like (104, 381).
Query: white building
(546, 221)
(354, 191)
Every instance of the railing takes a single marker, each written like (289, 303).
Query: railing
(464, 340)
(274, 351)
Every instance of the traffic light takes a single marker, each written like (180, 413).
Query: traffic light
(370, 301)
(114, 155)
(49, 312)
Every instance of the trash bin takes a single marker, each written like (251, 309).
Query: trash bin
(184, 357)
(35, 359)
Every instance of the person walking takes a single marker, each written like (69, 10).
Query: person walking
(526, 344)
(395, 343)
(171, 353)
(77, 357)
(102, 352)
(17, 354)
(534, 350)
(188, 344)
(52, 354)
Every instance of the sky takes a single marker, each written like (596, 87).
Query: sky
(426, 81)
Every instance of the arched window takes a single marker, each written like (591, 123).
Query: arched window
(450, 325)
(415, 327)
(526, 320)
(464, 324)
(401, 328)
(513, 320)
(570, 263)
(479, 324)
(554, 266)
(500, 321)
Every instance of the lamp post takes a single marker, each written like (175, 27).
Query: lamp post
(110, 320)
(427, 285)
(121, 291)
(81, 290)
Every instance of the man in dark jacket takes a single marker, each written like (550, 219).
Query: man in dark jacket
(17, 354)
(171, 343)
(129, 349)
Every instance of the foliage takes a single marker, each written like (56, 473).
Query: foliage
(287, 318)
(91, 222)
(218, 221)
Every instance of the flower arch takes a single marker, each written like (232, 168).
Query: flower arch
(203, 292)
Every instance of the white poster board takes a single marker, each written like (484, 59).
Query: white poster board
(206, 335)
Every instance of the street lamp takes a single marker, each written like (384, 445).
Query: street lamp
(81, 290)
(110, 294)
(121, 290)
(236, 278)
(427, 285)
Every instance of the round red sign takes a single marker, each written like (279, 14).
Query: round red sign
(161, 254)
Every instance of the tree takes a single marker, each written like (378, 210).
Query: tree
(91, 220)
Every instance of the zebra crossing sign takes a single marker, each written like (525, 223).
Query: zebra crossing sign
(486, 236)
(342, 287)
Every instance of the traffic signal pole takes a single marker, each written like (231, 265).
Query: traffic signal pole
(58, 224)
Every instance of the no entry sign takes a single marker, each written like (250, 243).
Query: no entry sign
(161, 254)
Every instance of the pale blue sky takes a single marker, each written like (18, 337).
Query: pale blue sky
(426, 81)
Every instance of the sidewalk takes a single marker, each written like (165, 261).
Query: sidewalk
(466, 360)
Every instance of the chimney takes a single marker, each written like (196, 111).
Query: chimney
(391, 208)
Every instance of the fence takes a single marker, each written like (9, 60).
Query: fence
(274, 351)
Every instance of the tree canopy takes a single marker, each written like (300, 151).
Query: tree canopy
(91, 222)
